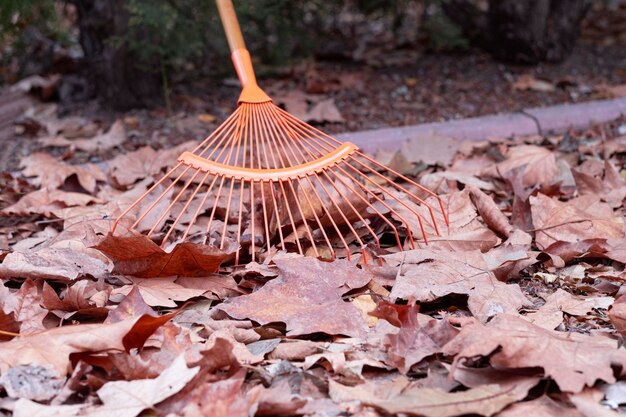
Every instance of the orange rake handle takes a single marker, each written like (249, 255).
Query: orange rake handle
(241, 57)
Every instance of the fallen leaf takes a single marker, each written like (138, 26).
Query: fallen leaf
(52, 263)
(52, 348)
(46, 201)
(572, 221)
(307, 297)
(115, 136)
(130, 398)
(543, 406)
(430, 274)
(617, 315)
(51, 173)
(572, 360)
(529, 82)
(137, 255)
(162, 292)
(537, 165)
(429, 402)
(489, 211)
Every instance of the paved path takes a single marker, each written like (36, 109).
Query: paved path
(532, 121)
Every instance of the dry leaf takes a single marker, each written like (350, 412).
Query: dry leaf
(51, 173)
(430, 274)
(139, 256)
(307, 297)
(161, 292)
(572, 360)
(529, 82)
(572, 221)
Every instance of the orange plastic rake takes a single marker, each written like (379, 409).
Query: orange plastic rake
(267, 179)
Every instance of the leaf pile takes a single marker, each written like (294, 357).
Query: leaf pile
(517, 308)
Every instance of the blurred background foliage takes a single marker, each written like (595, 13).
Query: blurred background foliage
(132, 50)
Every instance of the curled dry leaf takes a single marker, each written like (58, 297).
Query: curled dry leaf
(572, 360)
(136, 255)
(489, 211)
(307, 297)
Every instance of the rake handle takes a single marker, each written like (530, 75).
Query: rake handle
(231, 25)
(251, 92)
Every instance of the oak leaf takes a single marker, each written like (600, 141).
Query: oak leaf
(583, 218)
(572, 360)
(430, 274)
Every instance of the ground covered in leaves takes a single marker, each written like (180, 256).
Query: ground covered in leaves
(517, 309)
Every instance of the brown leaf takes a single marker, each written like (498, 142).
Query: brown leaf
(52, 348)
(161, 292)
(572, 360)
(537, 165)
(465, 231)
(543, 406)
(414, 341)
(52, 173)
(550, 315)
(617, 315)
(529, 82)
(115, 136)
(126, 169)
(430, 402)
(489, 211)
(46, 202)
(307, 297)
(572, 221)
(139, 256)
(430, 274)
(52, 263)
(24, 305)
(132, 305)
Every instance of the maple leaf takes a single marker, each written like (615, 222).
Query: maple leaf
(24, 306)
(307, 297)
(137, 255)
(465, 231)
(572, 360)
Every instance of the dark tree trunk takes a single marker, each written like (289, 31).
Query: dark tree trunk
(121, 79)
(521, 31)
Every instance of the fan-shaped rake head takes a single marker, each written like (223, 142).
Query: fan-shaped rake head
(269, 180)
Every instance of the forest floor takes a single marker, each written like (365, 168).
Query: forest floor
(516, 308)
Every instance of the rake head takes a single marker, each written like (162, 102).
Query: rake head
(270, 181)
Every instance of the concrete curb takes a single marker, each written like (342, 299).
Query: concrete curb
(555, 119)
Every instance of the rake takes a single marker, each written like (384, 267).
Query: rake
(270, 181)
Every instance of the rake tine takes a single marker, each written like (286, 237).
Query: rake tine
(184, 209)
(217, 199)
(200, 206)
